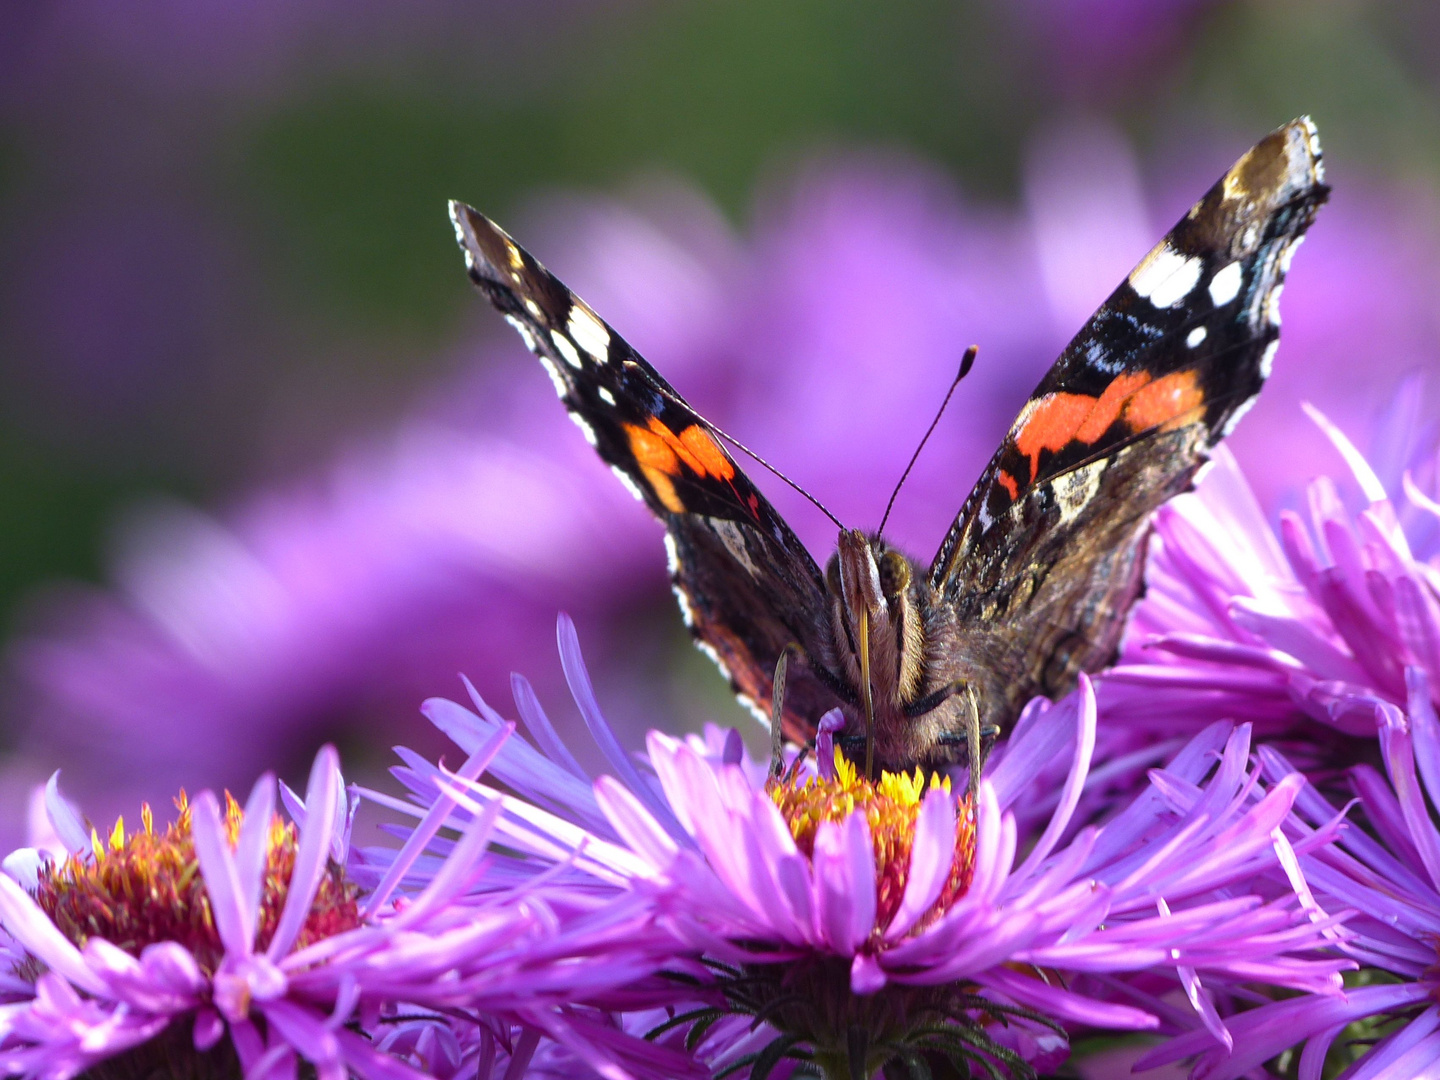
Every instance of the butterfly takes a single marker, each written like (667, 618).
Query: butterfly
(1034, 580)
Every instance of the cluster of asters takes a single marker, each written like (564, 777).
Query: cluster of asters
(1260, 888)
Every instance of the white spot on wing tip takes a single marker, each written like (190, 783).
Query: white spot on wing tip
(1195, 337)
(565, 349)
(606, 396)
(588, 331)
(1166, 277)
(1225, 285)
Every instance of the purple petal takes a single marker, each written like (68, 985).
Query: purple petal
(1061, 1004)
(1408, 1054)
(1028, 752)
(305, 1031)
(32, 928)
(1425, 731)
(1262, 1033)
(539, 726)
(1395, 744)
(67, 822)
(1074, 783)
(1312, 1058)
(209, 1029)
(1364, 475)
(370, 1064)
(580, 688)
(844, 869)
(1199, 999)
(518, 765)
(435, 817)
(222, 876)
(1385, 815)
(634, 823)
(992, 859)
(321, 823)
(253, 846)
(455, 873)
(1418, 621)
(1296, 638)
(866, 976)
(932, 853)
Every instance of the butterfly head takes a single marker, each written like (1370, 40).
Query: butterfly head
(875, 618)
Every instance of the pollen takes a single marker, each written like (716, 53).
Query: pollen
(142, 887)
(891, 806)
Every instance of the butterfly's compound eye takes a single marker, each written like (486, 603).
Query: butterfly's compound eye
(894, 574)
(832, 575)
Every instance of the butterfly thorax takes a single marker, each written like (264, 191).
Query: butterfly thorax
(886, 616)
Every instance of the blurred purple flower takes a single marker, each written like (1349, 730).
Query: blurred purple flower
(1090, 42)
(899, 906)
(345, 598)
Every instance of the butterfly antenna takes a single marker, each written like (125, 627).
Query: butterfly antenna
(665, 392)
(966, 363)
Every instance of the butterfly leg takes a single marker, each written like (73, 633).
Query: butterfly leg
(777, 712)
(972, 732)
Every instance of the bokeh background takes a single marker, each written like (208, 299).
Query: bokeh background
(271, 474)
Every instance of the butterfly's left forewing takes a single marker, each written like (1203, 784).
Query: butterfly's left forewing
(746, 585)
(1045, 559)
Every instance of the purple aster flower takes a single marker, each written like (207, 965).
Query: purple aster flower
(1322, 621)
(231, 941)
(1387, 874)
(890, 920)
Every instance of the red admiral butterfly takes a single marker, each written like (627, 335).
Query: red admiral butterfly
(1036, 576)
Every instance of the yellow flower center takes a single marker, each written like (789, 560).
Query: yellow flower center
(890, 805)
(145, 887)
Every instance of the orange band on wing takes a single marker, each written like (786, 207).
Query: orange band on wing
(658, 464)
(659, 451)
(713, 460)
(1169, 402)
(1141, 402)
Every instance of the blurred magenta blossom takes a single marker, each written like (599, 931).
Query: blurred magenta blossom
(824, 338)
